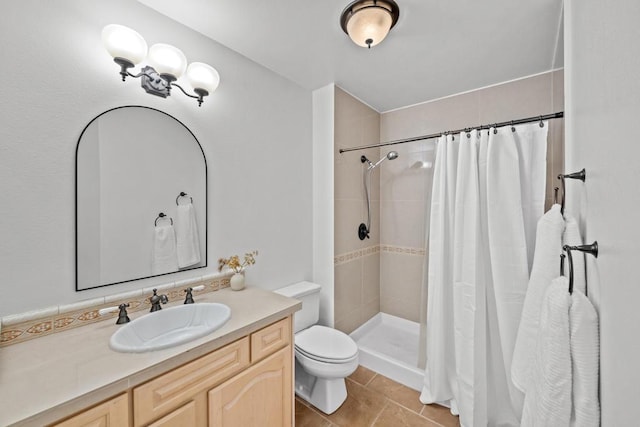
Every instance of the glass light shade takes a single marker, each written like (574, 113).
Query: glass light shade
(167, 59)
(369, 23)
(123, 42)
(203, 76)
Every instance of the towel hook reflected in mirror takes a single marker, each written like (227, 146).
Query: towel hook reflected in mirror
(162, 215)
(183, 194)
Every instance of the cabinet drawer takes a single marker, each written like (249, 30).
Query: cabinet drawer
(112, 413)
(172, 390)
(270, 339)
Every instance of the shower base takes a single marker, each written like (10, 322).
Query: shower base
(388, 345)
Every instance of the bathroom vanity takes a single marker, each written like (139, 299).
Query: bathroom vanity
(241, 374)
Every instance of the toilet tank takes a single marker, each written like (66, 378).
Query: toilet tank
(309, 294)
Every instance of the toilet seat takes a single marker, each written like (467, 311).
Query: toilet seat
(325, 344)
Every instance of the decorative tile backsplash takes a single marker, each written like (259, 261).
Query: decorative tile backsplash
(34, 324)
(352, 256)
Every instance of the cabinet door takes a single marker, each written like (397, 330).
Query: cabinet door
(261, 396)
(112, 413)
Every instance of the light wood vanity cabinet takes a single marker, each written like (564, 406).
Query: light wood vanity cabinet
(246, 383)
(251, 376)
(259, 396)
(172, 390)
(114, 412)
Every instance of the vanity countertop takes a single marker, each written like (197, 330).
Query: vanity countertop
(48, 378)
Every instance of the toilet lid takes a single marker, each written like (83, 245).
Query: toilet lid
(325, 343)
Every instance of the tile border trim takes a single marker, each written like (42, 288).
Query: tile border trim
(22, 327)
(360, 253)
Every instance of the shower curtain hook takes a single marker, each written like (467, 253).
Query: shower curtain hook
(541, 122)
(495, 129)
(513, 129)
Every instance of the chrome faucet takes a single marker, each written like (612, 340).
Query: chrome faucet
(155, 301)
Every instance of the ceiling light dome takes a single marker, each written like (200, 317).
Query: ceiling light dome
(367, 22)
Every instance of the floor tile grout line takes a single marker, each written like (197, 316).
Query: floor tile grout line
(371, 379)
(386, 404)
(317, 411)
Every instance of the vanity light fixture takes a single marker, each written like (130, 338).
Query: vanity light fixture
(167, 64)
(367, 22)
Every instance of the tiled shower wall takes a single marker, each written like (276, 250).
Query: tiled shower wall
(405, 187)
(385, 273)
(356, 262)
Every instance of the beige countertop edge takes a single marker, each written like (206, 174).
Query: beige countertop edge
(241, 324)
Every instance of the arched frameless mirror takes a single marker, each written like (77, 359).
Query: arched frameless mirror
(132, 163)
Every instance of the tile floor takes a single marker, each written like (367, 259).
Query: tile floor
(375, 400)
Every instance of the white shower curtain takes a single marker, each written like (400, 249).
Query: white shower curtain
(488, 193)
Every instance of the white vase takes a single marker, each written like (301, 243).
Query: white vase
(237, 282)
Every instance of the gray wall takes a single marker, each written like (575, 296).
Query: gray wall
(255, 131)
(602, 42)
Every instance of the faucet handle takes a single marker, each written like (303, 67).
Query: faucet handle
(189, 297)
(123, 316)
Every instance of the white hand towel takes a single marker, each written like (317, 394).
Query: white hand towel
(585, 354)
(546, 267)
(187, 236)
(548, 399)
(572, 237)
(165, 259)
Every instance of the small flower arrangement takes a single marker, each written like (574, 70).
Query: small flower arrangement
(234, 263)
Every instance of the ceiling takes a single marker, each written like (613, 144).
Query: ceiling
(437, 48)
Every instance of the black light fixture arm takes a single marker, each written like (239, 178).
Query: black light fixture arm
(157, 84)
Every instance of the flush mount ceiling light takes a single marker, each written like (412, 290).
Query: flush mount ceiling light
(367, 22)
(167, 64)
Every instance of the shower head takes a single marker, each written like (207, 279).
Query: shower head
(391, 155)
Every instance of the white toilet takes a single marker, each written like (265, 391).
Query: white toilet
(324, 356)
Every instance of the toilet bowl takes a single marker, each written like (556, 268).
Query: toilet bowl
(324, 357)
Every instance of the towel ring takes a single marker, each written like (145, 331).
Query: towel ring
(160, 216)
(182, 194)
(581, 175)
(589, 249)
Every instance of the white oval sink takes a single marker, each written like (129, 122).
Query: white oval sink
(170, 327)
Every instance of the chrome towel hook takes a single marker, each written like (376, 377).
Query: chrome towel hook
(589, 249)
(581, 175)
